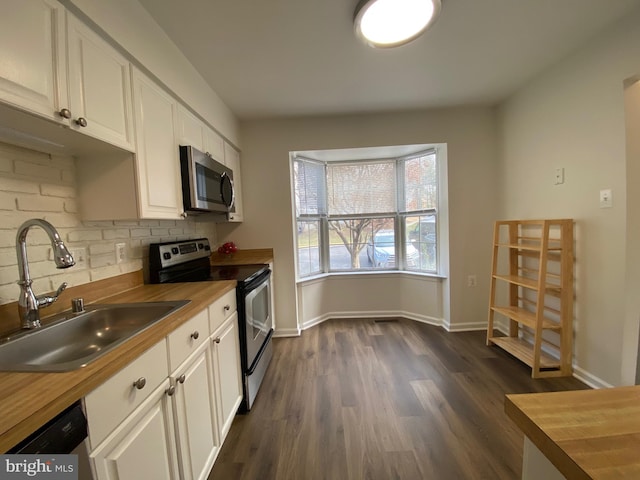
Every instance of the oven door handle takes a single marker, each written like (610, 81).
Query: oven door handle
(256, 360)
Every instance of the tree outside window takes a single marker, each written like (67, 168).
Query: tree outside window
(366, 215)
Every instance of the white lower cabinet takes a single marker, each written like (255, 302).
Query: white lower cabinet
(225, 356)
(147, 423)
(194, 413)
(143, 446)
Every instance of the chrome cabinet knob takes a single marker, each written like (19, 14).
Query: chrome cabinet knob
(171, 390)
(140, 383)
(81, 122)
(195, 335)
(217, 340)
(182, 378)
(65, 113)
(227, 308)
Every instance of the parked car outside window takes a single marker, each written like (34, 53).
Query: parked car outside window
(381, 251)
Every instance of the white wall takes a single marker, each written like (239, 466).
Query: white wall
(370, 296)
(38, 185)
(470, 134)
(573, 117)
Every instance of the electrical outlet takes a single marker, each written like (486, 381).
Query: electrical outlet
(121, 252)
(606, 198)
(472, 281)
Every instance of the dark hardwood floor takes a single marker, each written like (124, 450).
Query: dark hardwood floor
(359, 399)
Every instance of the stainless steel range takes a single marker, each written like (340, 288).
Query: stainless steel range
(188, 261)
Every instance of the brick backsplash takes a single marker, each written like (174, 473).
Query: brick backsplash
(38, 185)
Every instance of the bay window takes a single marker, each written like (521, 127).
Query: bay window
(366, 215)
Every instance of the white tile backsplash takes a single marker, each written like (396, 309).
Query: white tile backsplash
(37, 185)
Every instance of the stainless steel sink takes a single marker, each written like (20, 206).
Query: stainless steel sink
(73, 340)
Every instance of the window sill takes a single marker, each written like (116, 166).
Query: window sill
(409, 273)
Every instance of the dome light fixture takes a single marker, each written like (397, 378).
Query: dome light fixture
(391, 23)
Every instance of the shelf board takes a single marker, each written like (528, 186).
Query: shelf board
(526, 317)
(528, 283)
(523, 351)
(529, 246)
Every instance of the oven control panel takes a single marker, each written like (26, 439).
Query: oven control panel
(174, 253)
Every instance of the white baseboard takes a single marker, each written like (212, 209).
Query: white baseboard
(286, 332)
(375, 314)
(465, 327)
(589, 379)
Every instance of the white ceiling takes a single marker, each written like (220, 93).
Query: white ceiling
(268, 58)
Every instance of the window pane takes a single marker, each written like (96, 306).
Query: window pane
(308, 248)
(362, 188)
(421, 192)
(309, 187)
(351, 244)
(421, 233)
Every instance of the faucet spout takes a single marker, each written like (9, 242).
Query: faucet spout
(28, 304)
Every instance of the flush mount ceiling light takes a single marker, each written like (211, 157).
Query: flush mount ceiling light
(391, 23)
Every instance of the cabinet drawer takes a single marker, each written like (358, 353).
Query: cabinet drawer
(183, 341)
(109, 404)
(222, 309)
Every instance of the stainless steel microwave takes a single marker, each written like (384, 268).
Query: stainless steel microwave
(207, 185)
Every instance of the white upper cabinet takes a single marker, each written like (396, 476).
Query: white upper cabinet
(232, 160)
(190, 129)
(214, 145)
(157, 161)
(99, 87)
(54, 66)
(33, 57)
(194, 132)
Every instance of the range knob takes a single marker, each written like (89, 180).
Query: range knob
(174, 250)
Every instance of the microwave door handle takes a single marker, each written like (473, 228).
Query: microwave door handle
(226, 186)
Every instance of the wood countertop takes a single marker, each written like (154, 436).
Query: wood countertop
(28, 400)
(243, 257)
(586, 434)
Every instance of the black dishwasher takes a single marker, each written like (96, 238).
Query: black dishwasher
(60, 435)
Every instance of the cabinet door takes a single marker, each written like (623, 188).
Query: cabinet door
(214, 145)
(190, 129)
(228, 374)
(157, 161)
(99, 87)
(143, 446)
(198, 442)
(232, 160)
(32, 56)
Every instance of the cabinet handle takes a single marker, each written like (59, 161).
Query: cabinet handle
(227, 308)
(65, 113)
(217, 340)
(81, 122)
(182, 378)
(195, 335)
(140, 383)
(183, 214)
(171, 390)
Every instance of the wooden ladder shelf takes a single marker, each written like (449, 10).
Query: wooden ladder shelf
(533, 259)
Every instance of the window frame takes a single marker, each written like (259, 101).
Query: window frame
(399, 217)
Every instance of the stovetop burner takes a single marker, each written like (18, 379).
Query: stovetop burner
(241, 273)
(188, 261)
